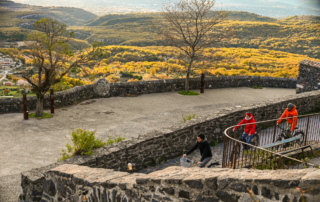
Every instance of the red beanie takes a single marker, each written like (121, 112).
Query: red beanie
(248, 114)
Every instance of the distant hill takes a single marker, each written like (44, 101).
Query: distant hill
(99, 20)
(295, 34)
(70, 16)
(76, 13)
(246, 16)
(303, 17)
(112, 19)
(270, 8)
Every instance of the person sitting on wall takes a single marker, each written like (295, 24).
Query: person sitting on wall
(205, 150)
(291, 114)
(249, 132)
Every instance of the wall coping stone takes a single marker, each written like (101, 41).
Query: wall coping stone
(310, 63)
(193, 183)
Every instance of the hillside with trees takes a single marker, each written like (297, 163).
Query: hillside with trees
(297, 34)
(129, 63)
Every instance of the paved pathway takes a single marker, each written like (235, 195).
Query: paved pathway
(35, 143)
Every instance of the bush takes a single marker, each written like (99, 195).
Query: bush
(137, 77)
(83, 144)
(127, 74)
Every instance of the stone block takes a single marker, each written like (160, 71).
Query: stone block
(184, 194)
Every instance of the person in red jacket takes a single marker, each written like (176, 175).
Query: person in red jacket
(291, 115)
(250, 129)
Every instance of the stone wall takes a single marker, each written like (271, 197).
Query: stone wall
(309, 76)
(169, 142)
(102, 89)
(71, 182)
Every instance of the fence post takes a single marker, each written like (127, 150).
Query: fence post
(52, 101)
(235, 156)
(279, 162)
(274, 134)
(25, 113)
(305, 141)
(202, 83)
(224, 151)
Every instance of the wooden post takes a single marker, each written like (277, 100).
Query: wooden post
(52, 101)
(25, 113)
(202, 83)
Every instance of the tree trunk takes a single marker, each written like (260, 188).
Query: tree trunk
(187, 78)
(187, 82)
(39, 110)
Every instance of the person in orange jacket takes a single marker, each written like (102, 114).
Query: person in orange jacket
(291, 115)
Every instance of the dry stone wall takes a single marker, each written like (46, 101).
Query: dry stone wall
(309, 76)
(71, 182)
(170, 142)
(101, 88)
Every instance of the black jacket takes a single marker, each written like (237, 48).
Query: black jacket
(205, 149)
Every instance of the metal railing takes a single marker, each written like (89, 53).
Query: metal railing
(240, 154)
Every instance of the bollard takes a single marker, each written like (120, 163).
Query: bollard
(52, 101)
(202, 83)
(25, 115)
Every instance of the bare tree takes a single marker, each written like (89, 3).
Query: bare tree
(52, 57)
(190, 25)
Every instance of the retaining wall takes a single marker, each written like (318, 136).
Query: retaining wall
(80, 93)
(71, 182)
(309, 76)
(170, 142)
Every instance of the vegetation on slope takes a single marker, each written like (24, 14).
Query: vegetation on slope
(162, 63)
(292, 35)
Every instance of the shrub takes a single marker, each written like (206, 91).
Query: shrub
(136, 76)
(126, 74)
(213, 143)
(187, 118)
(6, 91)
(83, 144)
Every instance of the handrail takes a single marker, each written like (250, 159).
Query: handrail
(238, 142)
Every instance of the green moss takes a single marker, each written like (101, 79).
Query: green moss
(153, 163)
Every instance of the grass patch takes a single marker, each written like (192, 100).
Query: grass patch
(45, 115)
(257, 87)
(84, 142)
(183, 92)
